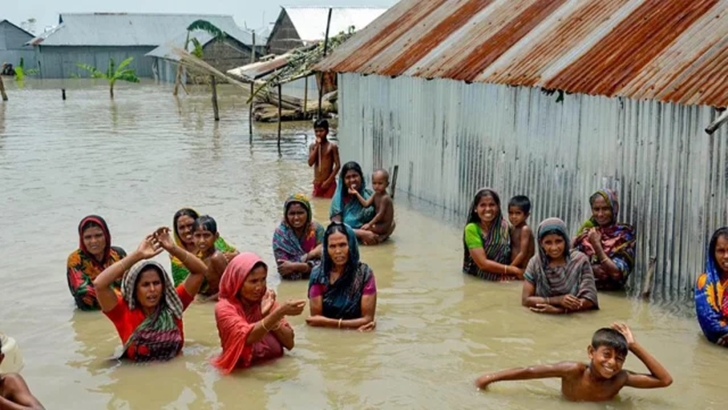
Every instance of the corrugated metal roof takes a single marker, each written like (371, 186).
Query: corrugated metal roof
(235, 32)
(310, 22)
(5, 21)
(127, 29)
(672, 51)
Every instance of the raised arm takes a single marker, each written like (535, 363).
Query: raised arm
(18, 394)
(658, 377)
(366, 203)
(313, 153)
(525, 245)
(195, 265)
(563, 369)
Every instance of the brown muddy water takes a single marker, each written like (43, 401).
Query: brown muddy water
(137, 160)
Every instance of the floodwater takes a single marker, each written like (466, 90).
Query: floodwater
(137, 160)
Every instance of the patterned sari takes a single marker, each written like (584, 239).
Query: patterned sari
(711, 298)
(82, 267)
(618, 242)
(349, 207)
(287, 245)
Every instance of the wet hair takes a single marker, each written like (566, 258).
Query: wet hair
(183, 212)
(90, 224)
(721, 232)
(333, 228)
(351, 166)
(207, 223)
(521, 202)
(383, 171)
(321, 123)
(610, 338)
(473, 216)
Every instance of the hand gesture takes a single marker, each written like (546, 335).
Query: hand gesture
(269, 299)
(723, 341)
(483, 381)
(624, 330)
(285, 267)
(366, 227)
(368, 327)
(149, 248)
(164, 238)
(571, 302)
(353, 190)
(595, 238)
(544, 308)
(293, 307)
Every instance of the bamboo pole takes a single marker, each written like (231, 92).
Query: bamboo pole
(280, 115)
(252, 51)
(326, 48)
(214, 98)
(250, 111)
(2, 89)
(394, 180)
(305, 97)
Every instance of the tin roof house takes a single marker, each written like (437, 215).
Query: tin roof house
(13, 45)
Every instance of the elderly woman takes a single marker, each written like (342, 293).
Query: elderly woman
(609, 245)
(148, 314)
(487, 240)
(346, 207)
(252, 326)
(342, 290)
(94, 254)
(711, 298)
(558, 280)
(182, 223)
(298, 240)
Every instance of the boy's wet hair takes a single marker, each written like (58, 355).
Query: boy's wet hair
(610, 338)
(321, 123)
(383, 171)
(521, 202)
(205, 222)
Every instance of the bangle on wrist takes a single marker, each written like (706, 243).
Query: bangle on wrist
(340, 323)
(262, 323)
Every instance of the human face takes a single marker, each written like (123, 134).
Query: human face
(184, 229)
(380, 183)
(721, 253)
(255, 285)
(516, 216)
(296, 215)
(605, 361)
(204, 239)
(94, 241)
(601, 211)
(149, 289)
(352, 179)
(553, 244)
(338, 248)
(487, 209)
(321, 134)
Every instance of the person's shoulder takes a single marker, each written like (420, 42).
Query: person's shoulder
(12, 381)
(471, 227)
(526, 229)
(702, 281)
(74, 258)
(578, 255)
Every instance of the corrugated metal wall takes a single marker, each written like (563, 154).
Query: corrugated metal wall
(60, 62)
(450, 138)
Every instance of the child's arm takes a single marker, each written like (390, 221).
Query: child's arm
(313, 153)
(563, 369)
(526, 240)
(366, 203)
(18, 394)
(384, 205)
(218, 265)
(658, 377)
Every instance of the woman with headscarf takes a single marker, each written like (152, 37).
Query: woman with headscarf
(342, 290)
(487, 240)
(558, 280)
(182, 224)
(298, 240)
(347, 209)
(94, 254)
(148, 314)
(609, 245)
(251, 325)
(711, 297)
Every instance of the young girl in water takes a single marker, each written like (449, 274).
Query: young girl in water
(204, 232)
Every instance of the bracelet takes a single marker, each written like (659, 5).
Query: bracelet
(123, 267)
(262, 323)
(280, 323)
(505, 269)
(340, 323)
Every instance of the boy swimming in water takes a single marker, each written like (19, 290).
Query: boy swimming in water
(603, 377)
(523, 248)
(324, 157)
(383, 205)
(14, 392)
(204, 232)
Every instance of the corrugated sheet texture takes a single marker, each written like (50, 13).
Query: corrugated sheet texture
(310, 22)
(60, 62)
(123, 29)
(13, 37)
(669, 51)
(450, 138)
(239, 35)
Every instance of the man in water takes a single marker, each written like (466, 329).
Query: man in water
(324, 157)
(14, 392)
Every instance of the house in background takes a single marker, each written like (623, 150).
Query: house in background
(301, 26)
(13, 45)
(94, 38)
(235, 50)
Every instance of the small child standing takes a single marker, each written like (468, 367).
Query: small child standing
(603, 377)
(383, 205)
(14, 392)
(522, 241)
(205, 234)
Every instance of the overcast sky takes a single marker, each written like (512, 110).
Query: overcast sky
(254, 13)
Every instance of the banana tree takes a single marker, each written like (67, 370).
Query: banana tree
(113, 73)
(202, 25)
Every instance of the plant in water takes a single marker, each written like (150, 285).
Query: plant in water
(201, 25)
(113, 73)
(20, 71)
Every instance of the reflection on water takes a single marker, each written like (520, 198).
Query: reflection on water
(138, 159)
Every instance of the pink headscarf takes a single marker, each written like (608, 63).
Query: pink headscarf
(234, 324)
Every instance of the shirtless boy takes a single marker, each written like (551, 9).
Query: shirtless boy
(603, 377)
(14, 392)
(383, 205)
(205, 233)
(324, 157)
(522, 241)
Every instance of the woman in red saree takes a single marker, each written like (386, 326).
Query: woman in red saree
(251, 324)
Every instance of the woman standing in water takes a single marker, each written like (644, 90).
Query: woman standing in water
(609, 245)
(342, 291)
(298, 240)
(252, 326)
(487, 240)
(182, 223)
(148, 314)
(558, 280)
(711, 298)
(94, 254)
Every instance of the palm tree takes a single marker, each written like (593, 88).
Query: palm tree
(113, 74)
(202, 25)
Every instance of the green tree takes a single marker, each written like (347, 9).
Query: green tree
(113, 73)
(202, 25)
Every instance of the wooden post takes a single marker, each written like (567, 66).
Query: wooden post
(394, 180)
(280, 115)
(63, 94)
(252, 52)
(2, 89)
(250, 110)
(214, 97)
(326, 48)
(305, 97)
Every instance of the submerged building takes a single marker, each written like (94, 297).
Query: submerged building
(13, 45)
(552, 99)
